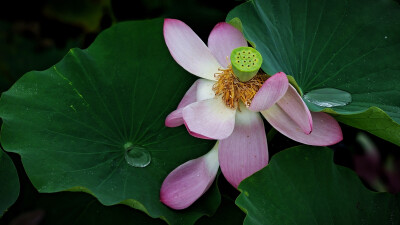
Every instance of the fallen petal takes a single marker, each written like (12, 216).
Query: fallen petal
(189, 50)
(210, 118)
(273, 89)
(326, 130)
(245, 151)
(185, 184)
(222, 40)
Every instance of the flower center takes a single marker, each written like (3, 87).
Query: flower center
(233, 90)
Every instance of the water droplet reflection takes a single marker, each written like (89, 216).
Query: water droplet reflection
(137, 156)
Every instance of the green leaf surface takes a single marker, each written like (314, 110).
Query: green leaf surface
(352, 46)
(65, 208)
(71, 124)
(374, 120)
(302, 185)
(9, 186)
(326, 97)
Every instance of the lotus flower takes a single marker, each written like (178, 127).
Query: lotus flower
(222, 107)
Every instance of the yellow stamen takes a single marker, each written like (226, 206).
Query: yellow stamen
(232, 89)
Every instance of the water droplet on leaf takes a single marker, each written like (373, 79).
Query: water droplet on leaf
(137, 156)
(328, 97)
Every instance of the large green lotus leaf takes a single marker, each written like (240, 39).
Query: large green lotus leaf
(9, 185)
(72, 122)
(351, 46)
(302, 185)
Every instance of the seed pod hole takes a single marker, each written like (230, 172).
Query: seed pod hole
(246, 62)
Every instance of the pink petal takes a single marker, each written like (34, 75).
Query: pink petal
(174, 119)
(245, 151)
(210, 118)
(326, 130)
(296, 109)
(189, 50)
(272, 90)
(194, 134)
(190, 95)
(200, 90)
(185, 184)
(222, 40)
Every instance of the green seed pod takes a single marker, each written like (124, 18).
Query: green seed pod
(246, 62)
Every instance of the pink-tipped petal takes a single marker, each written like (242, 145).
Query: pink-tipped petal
(189, 50)
(190, 95)
(185, 184)
(222, 40)
(174, 119)
(210, 118)
(200, 90)
(245, 151)
(196, 134)
(272, 90)
(296, 109)
(326, 130)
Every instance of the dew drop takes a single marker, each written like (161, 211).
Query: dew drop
(328, 97)
(136, 156)
(385, 37)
